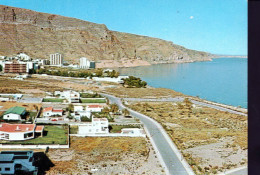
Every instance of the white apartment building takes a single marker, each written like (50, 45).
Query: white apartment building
(24, 57)
(71, 96)
(56, 59)
(84, 63)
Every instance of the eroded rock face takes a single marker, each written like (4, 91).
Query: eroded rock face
(40, 34)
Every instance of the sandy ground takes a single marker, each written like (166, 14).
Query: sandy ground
(106, 156)
(221, 154)
(122, 63)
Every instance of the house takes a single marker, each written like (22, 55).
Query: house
(94, 108)
(12, 162)
(97, 126)
(71, 96)
(80, 112)
(19, 131)
(50, 111)
(14, 113)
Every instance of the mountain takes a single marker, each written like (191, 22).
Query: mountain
(40, 34)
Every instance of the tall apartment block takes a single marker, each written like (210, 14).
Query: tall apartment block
(84, 63)
(56, 59)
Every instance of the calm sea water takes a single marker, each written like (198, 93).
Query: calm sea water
(222, 80)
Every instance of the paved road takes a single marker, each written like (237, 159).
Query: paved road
(171, 158)
(180, 99)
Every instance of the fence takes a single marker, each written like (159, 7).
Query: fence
(33, 146)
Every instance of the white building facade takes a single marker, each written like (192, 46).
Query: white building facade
(56, 59)
(84, 63)
(97, 126)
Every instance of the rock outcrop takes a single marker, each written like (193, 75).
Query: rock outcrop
(40, 34)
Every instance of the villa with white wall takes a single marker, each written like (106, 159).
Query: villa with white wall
(19, 131)
(50, 111)
(97, 126)
(14, 113)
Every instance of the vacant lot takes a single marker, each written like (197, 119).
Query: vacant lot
(99, 155)
(191, 127)
(143, 92)
(52, 135)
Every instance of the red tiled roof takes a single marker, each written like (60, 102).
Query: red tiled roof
(57, 110)
(94, 106)
(52, 109)
(6, 127)
(39, 128)
(47, 109)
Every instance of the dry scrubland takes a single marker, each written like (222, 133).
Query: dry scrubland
(210, 140)
(150, 92)
(107, 155)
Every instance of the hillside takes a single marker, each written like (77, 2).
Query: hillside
(40, 34)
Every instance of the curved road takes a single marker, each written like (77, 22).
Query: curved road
(168, 152)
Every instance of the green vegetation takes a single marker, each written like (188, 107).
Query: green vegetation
(52, 135)
(92, 100)
(88, 95)
(132, 82)
(69, 72)
(74, 129)
(117, 128)
(52, 100)
(85, 119)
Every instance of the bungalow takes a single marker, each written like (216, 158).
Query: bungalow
(71, 96)
(80, 112)
(19, 131)
(50, 111)
(94, 108)
(14, 113)
(97, 126)
(13, 161)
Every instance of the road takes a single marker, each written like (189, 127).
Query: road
(180, 99)
(171, 157)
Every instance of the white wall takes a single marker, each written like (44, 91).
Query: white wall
(12, 117)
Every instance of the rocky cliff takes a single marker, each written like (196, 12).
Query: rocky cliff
(40, 34)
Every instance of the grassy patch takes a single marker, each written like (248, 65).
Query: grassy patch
(52, 100)
(52, 135)
(117, 128)
(92, 100)
(88, 95)
(74, 129)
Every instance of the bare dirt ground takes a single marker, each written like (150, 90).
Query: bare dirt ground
(98, 155)
(28, 106)
(211, 141)
(122, 63)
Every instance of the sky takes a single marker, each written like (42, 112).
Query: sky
(215, 26)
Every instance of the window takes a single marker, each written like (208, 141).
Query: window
(7, 169)
(0, 169)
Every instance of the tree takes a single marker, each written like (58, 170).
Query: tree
(125, 112)
(114, 108)
(70, 107)
(106, 110)
(1, 68)
(85, 119)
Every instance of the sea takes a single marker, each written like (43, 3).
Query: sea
(222, 80)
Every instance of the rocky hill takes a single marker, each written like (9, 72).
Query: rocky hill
(40, 34)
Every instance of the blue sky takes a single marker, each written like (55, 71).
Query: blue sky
(215, 26)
